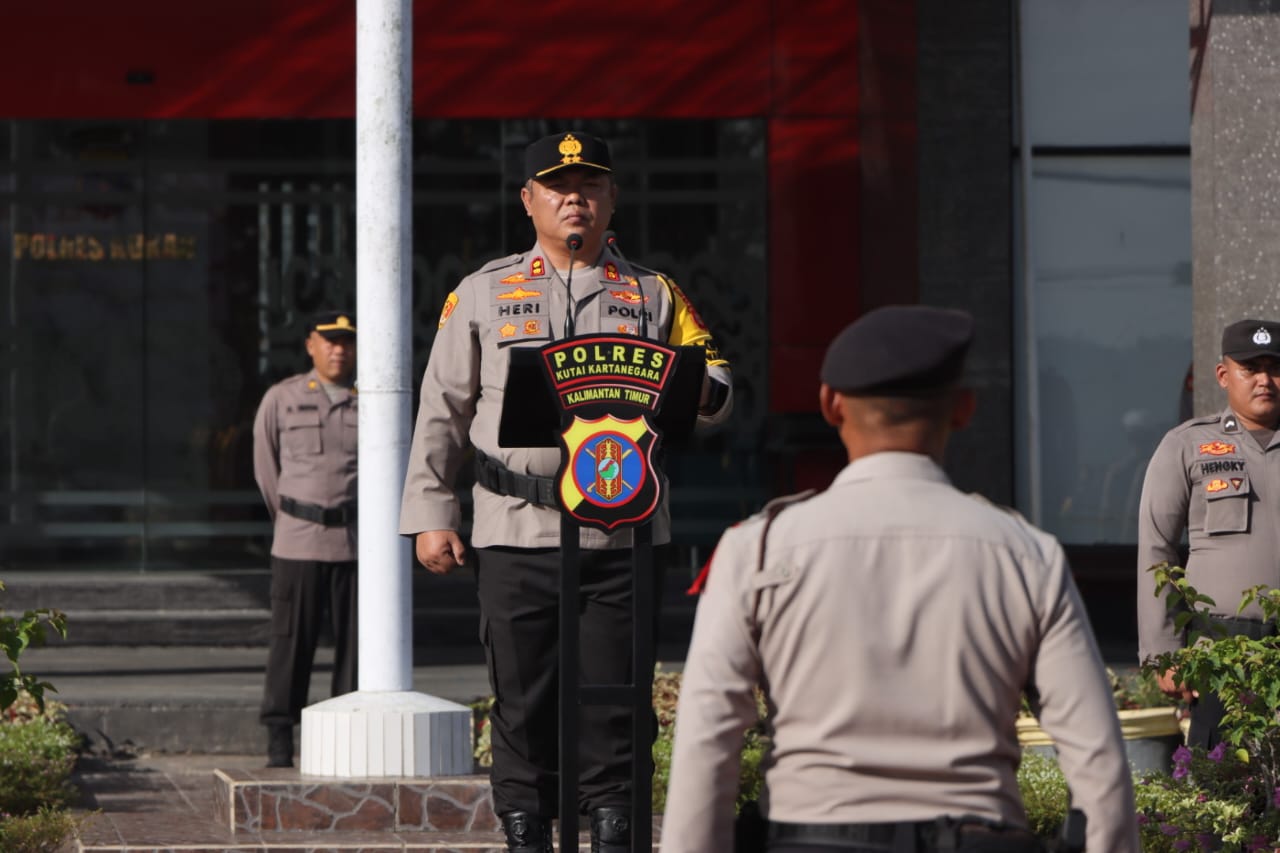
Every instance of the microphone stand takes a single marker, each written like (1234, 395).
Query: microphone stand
(574, 242)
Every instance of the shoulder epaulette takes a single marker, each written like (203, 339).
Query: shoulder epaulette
(766, 515)
(1002, 507)
(1204, 420)
(777, 505)
(499, 263)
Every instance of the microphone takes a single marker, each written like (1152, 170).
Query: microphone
(611, 240)
(574, 242)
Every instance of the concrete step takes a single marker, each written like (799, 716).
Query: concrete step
(232, 608)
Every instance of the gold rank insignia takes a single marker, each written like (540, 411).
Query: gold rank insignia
(507, 330)
(1217, 448)
(531, 327)
(514, 278)
(611, 272)
(520, 293)
(570, 149)
(537, 268)
(312, 385)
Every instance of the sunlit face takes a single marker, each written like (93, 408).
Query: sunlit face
(334, 360)
(1253, 390)
(570, 201)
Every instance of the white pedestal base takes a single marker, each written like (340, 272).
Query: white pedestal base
(386, 734)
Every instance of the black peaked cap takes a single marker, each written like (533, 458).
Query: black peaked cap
(1248, 339)
(899, 349)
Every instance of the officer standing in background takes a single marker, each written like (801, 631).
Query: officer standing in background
(1218, 479)
(304, 459)
(528, 300)
(893, 623)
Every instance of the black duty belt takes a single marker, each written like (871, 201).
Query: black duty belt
(940, 834)
(332, 516)
(496, 477)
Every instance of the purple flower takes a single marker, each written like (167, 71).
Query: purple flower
(1217, 752)
(1206, 840)
(1180, 771)
(1168, 829)
(1143, 820)
(1182, 756)
(1182, 845)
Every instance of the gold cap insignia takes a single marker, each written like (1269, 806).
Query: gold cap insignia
(570, 149)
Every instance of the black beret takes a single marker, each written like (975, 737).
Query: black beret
(899, 349)
(1251, 338)
(333, 324)
(562, 150)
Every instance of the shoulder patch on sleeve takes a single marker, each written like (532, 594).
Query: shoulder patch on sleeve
(499, 263)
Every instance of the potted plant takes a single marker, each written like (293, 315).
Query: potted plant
(1149, 721)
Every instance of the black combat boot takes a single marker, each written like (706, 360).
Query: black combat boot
(527, 833)
(610, 830)
(279, 745)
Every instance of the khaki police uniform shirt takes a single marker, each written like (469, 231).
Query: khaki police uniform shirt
(304, 447)
(1210, 478)
(898, 623)
(519, 301)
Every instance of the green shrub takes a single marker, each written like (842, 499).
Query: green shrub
(45, 831)
(36, 760)
(1044, 793)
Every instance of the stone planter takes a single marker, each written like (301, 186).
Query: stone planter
(1150, 737)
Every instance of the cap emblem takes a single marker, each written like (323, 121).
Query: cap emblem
(570, 150)
(1262, 337)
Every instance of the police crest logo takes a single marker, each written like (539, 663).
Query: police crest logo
(607, 479)
(1262, 337)
(570, 149)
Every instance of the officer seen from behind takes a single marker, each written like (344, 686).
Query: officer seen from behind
(893, 623)
(304, 459)
(1218, 479)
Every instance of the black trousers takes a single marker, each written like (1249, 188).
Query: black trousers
(1207, 714)
(519, 592)
(302, 592)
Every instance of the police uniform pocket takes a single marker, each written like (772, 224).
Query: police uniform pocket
(301, 435)
(1226, 505)
(520, 313)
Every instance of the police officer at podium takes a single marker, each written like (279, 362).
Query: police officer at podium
(304, 460)
(893, 623)
(570, 281)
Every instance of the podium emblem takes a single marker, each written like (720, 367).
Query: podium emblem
(608, 478)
